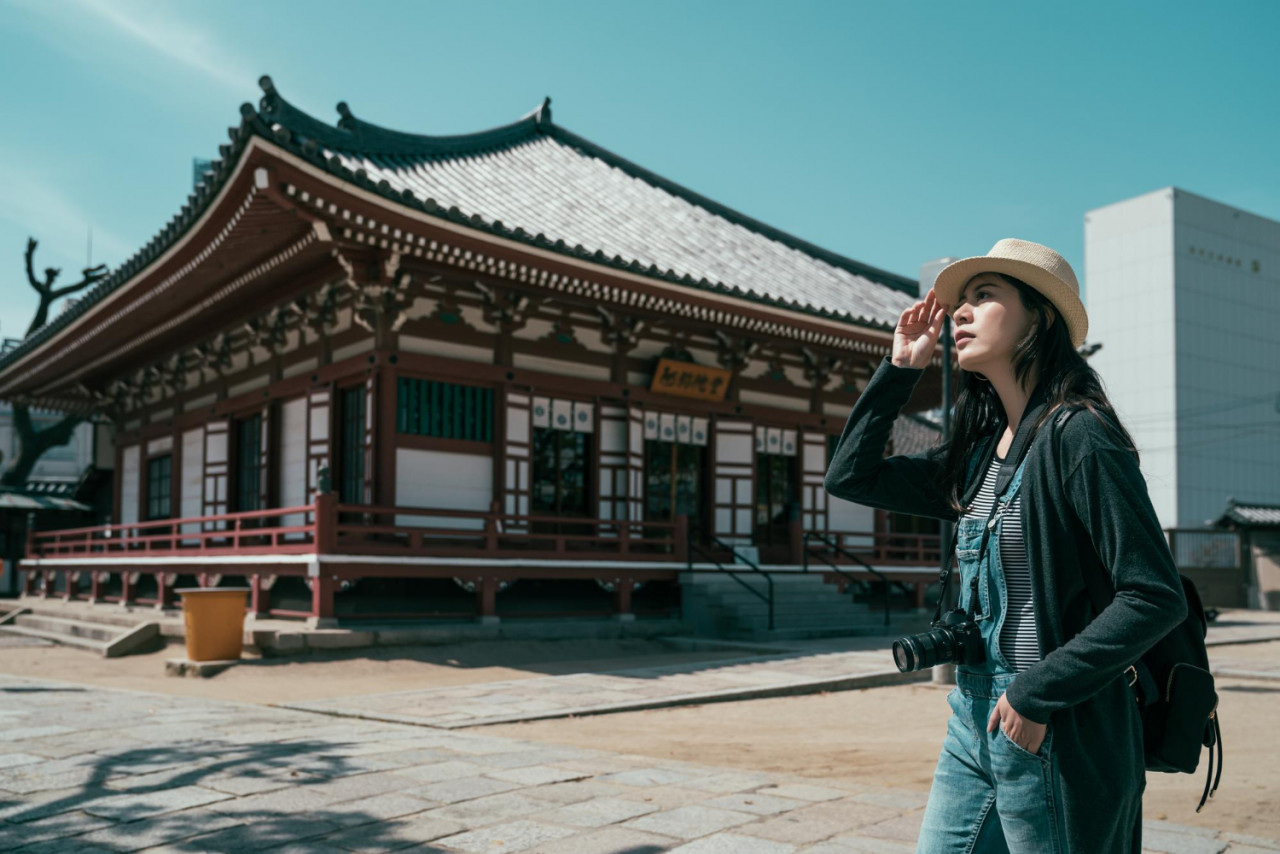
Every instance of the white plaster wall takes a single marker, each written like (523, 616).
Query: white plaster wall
(200, 402)
(562, 367)
(362, 346)
(191, 489)
(299, 368)
(129, 484)
(293, 457)
(248, 385)
(440, 479)
(447, 349)
(777, 401)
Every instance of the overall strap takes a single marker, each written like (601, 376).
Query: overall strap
(1017, 450)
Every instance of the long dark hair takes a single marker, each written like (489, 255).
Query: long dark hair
(1071, 382)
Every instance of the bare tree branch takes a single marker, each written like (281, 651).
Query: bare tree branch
(33, 444)
(48, 295)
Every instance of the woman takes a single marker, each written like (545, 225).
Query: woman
(1043, 751)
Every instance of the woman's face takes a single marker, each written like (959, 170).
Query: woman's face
(987, 320)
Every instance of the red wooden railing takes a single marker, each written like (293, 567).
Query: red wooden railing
(331, 528)
(328, 527)
(883, 548)
(362, 529)
(226, 533)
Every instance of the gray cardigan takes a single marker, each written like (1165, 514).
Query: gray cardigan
(1085, 507)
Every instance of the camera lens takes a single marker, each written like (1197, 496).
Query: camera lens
(916, 652)
(906, 654)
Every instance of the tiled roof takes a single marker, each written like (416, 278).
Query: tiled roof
(537, 183)
(1249, 515)
(915, 434)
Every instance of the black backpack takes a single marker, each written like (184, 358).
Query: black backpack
(1174, 690)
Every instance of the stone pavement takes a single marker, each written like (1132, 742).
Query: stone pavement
(797, 667)
(1245, 668)
(622, 690)
(1239, 626)
(91, 770)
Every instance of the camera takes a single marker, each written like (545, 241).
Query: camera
(954, 639)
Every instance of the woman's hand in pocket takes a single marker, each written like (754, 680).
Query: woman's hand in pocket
(1024, 732)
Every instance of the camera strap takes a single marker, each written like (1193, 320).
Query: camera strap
(1036, 404)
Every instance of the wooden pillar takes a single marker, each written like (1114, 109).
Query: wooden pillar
(622, 588)
(326, 531)
(128, 587)
(384, 428)
(795, 534)
(164, 589)
(322, 590)
(255, 594)
(95, 586)
(486, 599)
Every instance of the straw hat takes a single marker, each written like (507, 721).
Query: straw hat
(1038, 266)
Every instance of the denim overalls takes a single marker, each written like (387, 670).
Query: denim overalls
(989, 794)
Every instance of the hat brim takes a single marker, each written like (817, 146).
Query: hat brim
(952, 279)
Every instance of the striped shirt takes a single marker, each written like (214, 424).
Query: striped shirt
(1018, 641)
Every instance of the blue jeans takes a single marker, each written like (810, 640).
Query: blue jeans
(990, 795)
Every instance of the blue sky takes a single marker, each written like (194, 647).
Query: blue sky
(890, 132)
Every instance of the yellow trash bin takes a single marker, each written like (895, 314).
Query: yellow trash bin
(215, 622)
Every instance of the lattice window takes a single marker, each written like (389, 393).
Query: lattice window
(159, 487)
(249, 463)
(444, 410)
(351, 450)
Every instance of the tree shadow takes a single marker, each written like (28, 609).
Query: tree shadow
(152, 804)
(38, 689)
(146, 801)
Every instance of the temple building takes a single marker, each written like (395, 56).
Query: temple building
(373, 373)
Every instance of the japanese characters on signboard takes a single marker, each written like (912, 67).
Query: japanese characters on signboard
(684, 379)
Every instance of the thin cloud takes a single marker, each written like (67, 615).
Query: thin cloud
(37, 208)
(154, 26)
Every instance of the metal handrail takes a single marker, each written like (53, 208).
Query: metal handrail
(851, 556)
(694, 547)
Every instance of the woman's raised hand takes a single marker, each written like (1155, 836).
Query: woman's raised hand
(917, 333)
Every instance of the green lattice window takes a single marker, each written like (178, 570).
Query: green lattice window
(351, 447)
(159, 484)
(248, 463)
(444, 410)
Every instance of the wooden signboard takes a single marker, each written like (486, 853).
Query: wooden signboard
(684, 379)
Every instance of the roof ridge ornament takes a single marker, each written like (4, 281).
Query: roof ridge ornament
(270, 97)
(348, 120)
(541, 115)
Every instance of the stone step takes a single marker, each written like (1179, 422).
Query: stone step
(110, 641)
(106, 614)
(57, 637)
(74, 628)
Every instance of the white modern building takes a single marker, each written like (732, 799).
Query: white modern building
(1183, 295)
